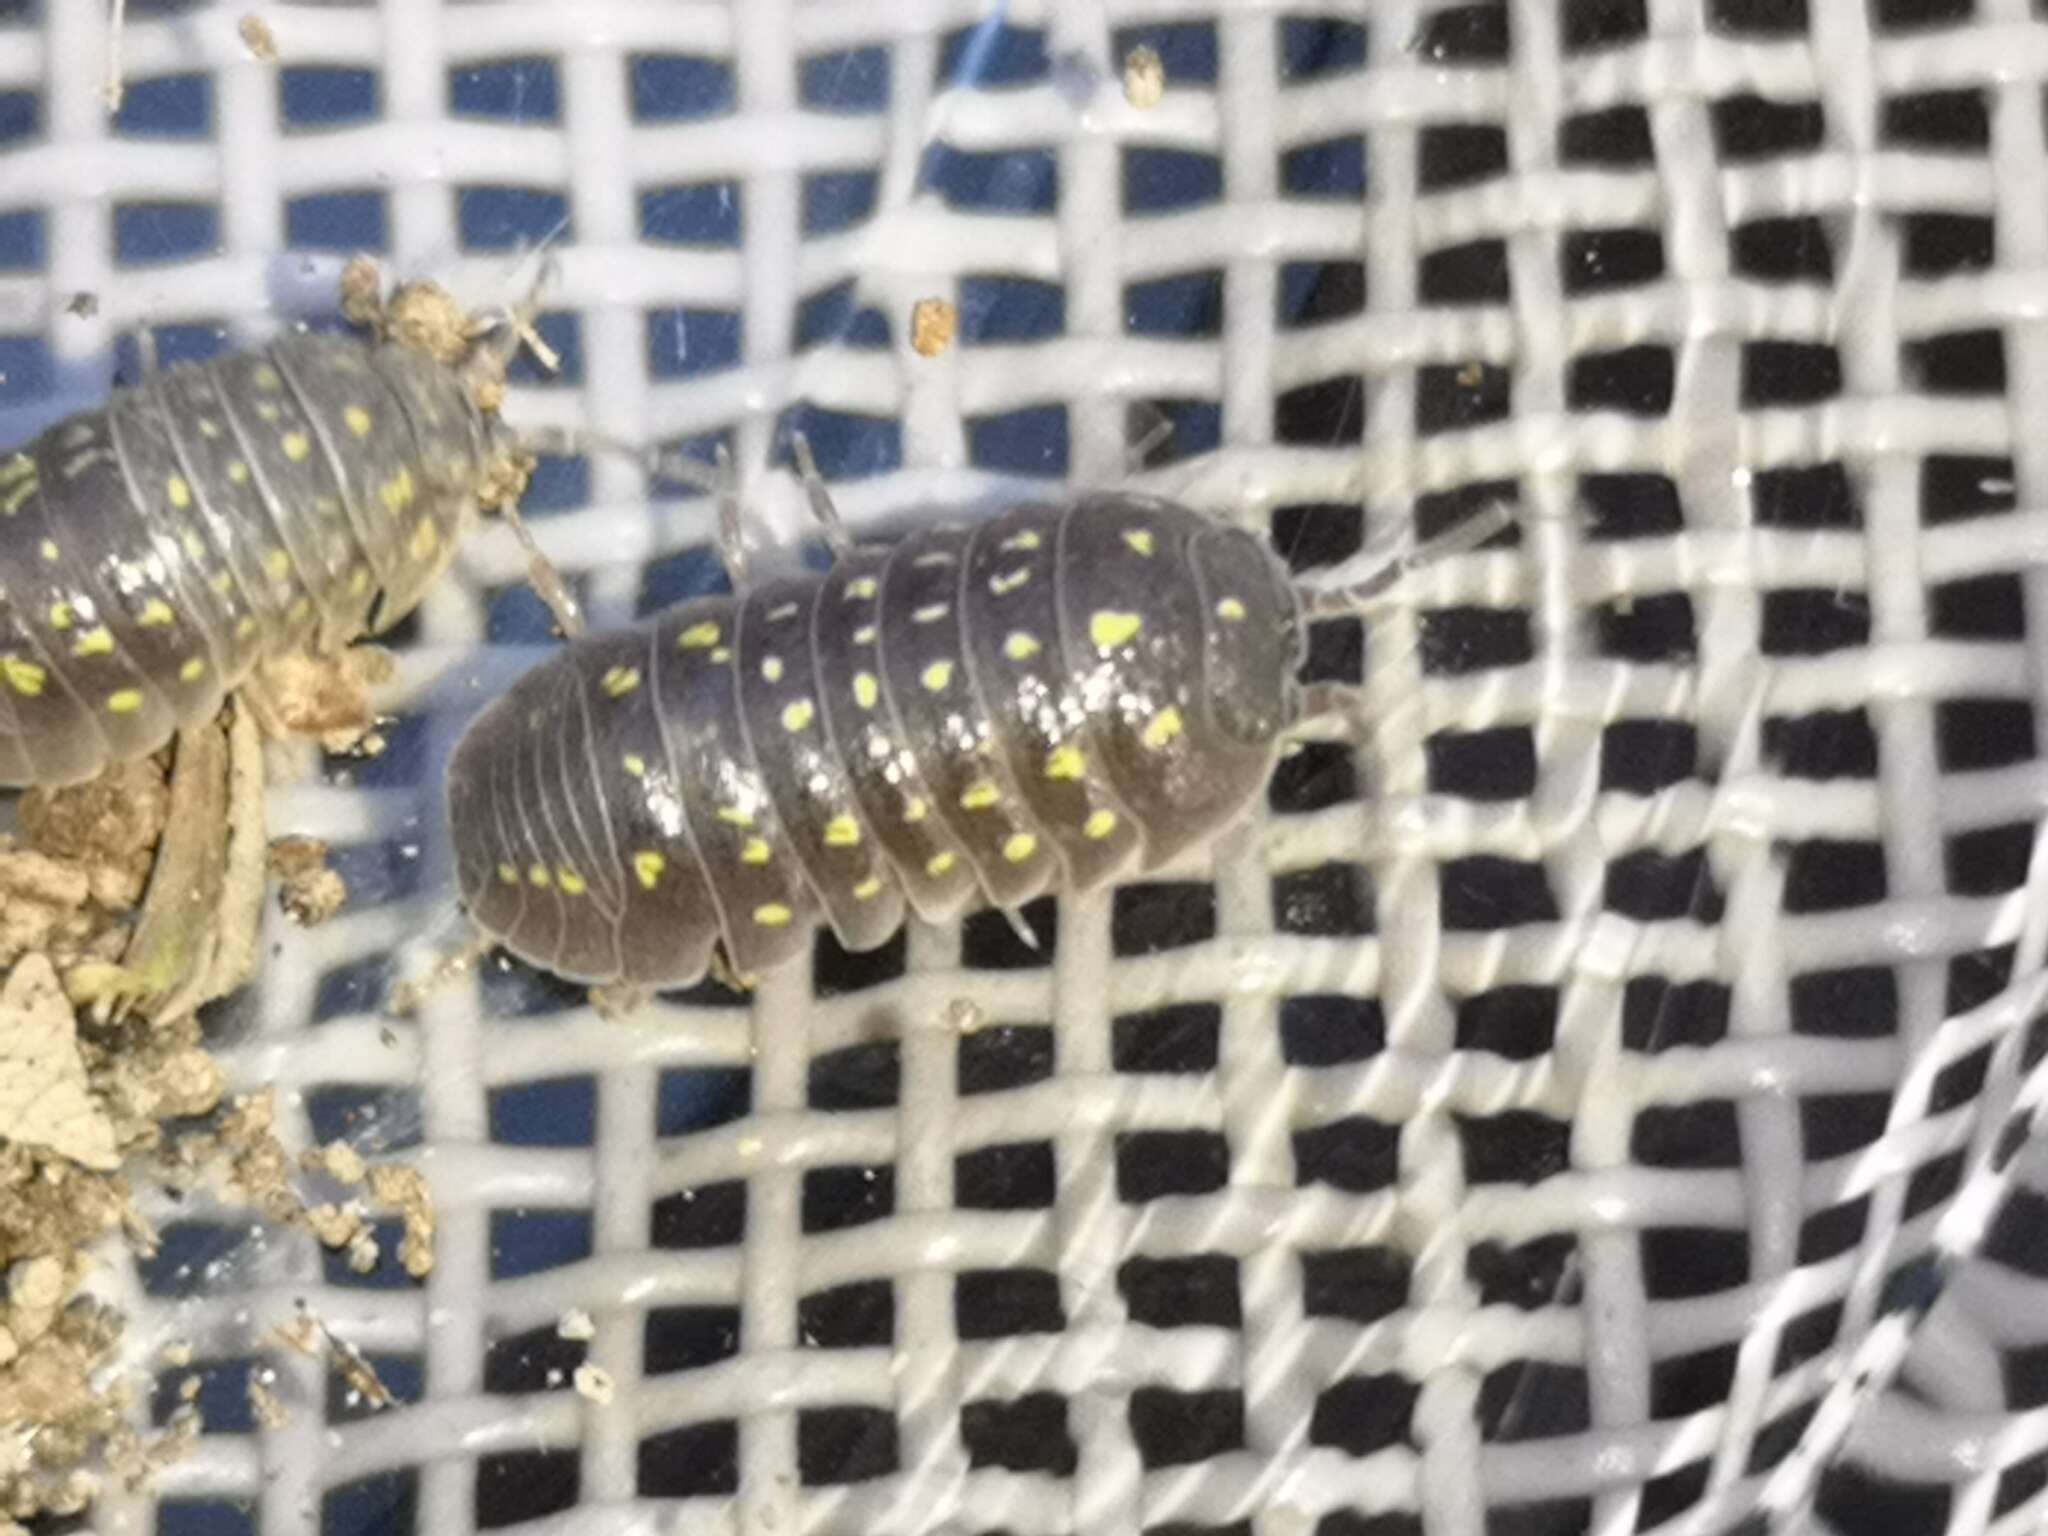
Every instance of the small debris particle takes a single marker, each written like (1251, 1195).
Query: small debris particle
(177, 1353)
(84, 304)
(324, 697)
(338, 1160)
(1144, 76)
(363, 1252)
(1471, 375)
(594, 1382)
(362, 292)
(258, 38)
(270, 1412)
(932, 324)
(45, 1100)
(965, 1017)
(404, 1190)
(309, 890)
(576, 1324)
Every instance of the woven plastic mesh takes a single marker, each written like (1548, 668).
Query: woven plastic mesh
(1559, 1114)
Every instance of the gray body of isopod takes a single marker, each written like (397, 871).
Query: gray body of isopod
(1045, 702)
(153, 551)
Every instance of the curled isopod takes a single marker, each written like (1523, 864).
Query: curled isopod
(1044, 702)
(155, 550)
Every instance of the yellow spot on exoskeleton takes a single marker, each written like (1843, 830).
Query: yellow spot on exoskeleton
(980, 795)
(209, 429)
(124, 702)
(937, 676)
(538, 875)
(930, 613)
(425, 539)
(155, 614)
(61, 615)
(1008, 582)
(1019, 847)
(246, 628)
(572, 884)
(179, 491)
(13, 501)
(771, 668)
(1065, 762)
(223, 582)
(721, 654)
(842, 832)
(359, 581)
(916, 809)
(1020, 646)
(300, 611)
(797, 716)
(266, 412)
(507, 875)
(49, 551)
(773, 915)
(296, 447)
(1230, 610)
(24, 677)
(1110, 629)
(648, 867)
(194, 547)
(327, 506)
(620, 681)
(866, 690)
(1139, 539)
(733, 816)
(265, 377)
(357, 420)
(860, 587)
(636, 765)
(697, 637)
(97, 641)
(193, 670)
(1099, 825)
(1162, 727)
(865, 635)
(939, 863)
(754, 850)
(277, 565)
(868, 889)
(1021, 541)
(14, 466)
(397, 493)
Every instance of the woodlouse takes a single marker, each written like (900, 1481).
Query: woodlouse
(1046, 701)
(155, 550)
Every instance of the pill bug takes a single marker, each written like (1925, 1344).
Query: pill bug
(1046, 701)
(154, 550)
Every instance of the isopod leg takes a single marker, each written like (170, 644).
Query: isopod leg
(548, 583)
(1138, 455)
(732, 534)
(1388, 562)
(830, 523)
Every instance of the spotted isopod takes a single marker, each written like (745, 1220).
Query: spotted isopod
(1046, 701)
(155, 550)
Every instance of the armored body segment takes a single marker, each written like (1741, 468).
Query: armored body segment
(1132, 624)
(1010, 597)
(1254, 638)
(589, 935)
(55, 731)
(767, 905)
(669, 921)
(931, 689)
(64, 604)
(801, 765)
(888, 781)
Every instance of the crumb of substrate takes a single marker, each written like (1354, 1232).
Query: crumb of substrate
(425, 317)
(362, 292)
(45, 1100)
(270, 1412)
(363, 1252)
(404, 1190)
(339, 1160)
(1472, 375)
(575, 1324)
(176, 1353)
(932, 324)
(107, 828)
(965, 1016)
(594, 1382)
(1144, 76)
(258, 38)
(336, 1226)
(84, 304)
(309, 890)
(328, 697)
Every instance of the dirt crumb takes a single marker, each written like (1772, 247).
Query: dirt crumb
(403, 1190)
(265, 1404)
(425, 317)
(932, 324)
(326, 698)
(964, 1016)
(594, 1383)
(1144, 76)
(258, 38)
(84, 304)
(338, 1160)
(309, 890)
(576, 1324)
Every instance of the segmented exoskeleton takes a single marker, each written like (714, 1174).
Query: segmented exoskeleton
(1046, 701)
(155, 550)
